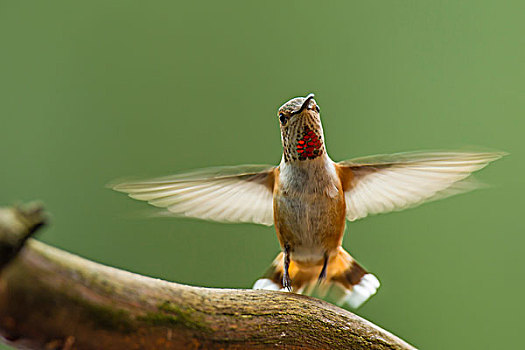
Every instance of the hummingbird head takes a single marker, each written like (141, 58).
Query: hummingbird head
(301, 129)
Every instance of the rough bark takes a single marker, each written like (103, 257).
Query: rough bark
(50, 299)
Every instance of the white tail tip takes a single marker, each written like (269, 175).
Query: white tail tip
(267, 284)
(361, 292)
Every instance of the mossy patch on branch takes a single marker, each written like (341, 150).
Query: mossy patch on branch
(170, 314)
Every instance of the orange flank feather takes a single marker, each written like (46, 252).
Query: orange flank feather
(342, 269)
(345, 175)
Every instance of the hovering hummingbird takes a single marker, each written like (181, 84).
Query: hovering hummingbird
(309, 198)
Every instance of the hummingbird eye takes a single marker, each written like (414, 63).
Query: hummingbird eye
(282, 118)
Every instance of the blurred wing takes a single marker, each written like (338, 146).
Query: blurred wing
(228, 194)
(384, 183)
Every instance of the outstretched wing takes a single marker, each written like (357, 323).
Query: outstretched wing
(227, 194)
(384, 183)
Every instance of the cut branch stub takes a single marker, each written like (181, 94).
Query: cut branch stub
(16, 226)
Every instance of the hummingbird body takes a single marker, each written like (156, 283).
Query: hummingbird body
(309, 198)
(309, 214)
(309, 209)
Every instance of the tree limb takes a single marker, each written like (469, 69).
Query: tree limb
(50, 299)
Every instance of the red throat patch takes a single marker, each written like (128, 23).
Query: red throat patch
(309, 146)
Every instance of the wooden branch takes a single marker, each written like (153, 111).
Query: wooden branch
(50, 299)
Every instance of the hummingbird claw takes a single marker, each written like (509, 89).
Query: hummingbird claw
(287, 282)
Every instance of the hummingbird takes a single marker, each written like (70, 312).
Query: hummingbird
(309, 198)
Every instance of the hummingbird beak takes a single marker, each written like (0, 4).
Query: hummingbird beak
(305, 103)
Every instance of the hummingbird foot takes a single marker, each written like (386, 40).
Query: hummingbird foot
(322, 275)
(287, 281)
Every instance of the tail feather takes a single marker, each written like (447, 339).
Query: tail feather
(346, 283)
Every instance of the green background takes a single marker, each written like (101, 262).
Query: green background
(96, 90)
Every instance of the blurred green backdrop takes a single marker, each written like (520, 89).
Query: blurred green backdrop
(93, 91)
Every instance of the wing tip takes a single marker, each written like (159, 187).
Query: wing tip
(489, 155)
(123, 185)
